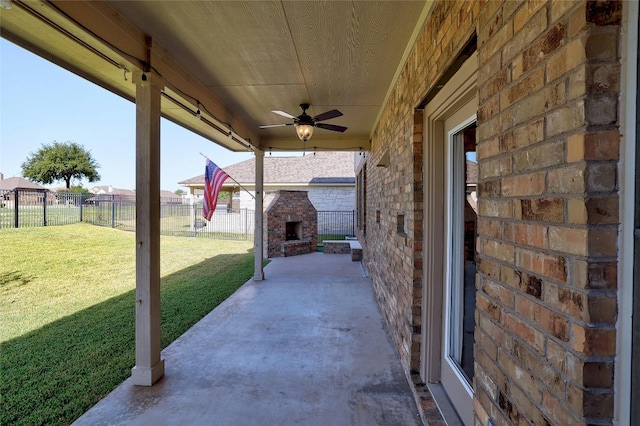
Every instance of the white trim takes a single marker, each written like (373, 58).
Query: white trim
(456, 93)
(629, 36)
(449, 256)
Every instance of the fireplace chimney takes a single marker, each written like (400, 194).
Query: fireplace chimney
(291, 225)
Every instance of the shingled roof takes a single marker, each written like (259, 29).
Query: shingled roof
(18, 183)
(321, 167)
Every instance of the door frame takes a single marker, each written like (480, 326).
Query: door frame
(628, 352)
(457, 92)
(451, 376)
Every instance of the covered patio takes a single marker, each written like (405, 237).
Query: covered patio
(221, 69)
(307, 345)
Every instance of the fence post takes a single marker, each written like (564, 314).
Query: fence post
(44, 208)
(16, 221)
(113, 211)
(192, 216)
(246, 224)
(353, 222)
(81, 198)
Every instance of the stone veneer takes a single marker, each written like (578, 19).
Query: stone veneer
(290, 206)
(547, 147)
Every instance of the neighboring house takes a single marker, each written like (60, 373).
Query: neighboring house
(108, 189)
(9, 184)
(328, 177)
(166, 196)
(30, 192)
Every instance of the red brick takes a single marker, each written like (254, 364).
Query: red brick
(588, 403)
(603, 242)
(602, 45)
(593, 341)
(533, 235)
(601, 109)
(604, 12)
(601, 177)
(553, 323)
(542, 264)
(602, 146)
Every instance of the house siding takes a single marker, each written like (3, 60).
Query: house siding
(548, 148)
(322, 198)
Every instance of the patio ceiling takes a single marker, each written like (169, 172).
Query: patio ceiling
(238, 60)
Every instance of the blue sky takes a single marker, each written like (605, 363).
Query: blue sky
(41, 103)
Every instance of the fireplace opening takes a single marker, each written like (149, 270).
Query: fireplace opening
(293, 230)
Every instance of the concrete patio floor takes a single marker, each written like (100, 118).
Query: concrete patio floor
(305, 346)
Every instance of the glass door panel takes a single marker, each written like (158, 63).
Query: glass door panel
(460, 266)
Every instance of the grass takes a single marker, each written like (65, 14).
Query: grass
(68, 311)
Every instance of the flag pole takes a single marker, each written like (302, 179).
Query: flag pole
(232, 179)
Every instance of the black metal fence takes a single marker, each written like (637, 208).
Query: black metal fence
(33, 208)
(335, 225)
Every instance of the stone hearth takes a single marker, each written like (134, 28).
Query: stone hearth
(290, 225)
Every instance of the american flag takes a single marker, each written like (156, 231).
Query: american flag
(214, 177)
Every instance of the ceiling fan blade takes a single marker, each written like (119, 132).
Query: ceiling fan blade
(282, 113)
(275, 125)
(327, 115)
(333, 127)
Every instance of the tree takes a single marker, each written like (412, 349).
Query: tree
(60, 161)
(79, 190)
(179, 192)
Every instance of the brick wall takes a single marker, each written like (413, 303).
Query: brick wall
(290, 206)
(549, 78)
(548, 144)
(393, 252)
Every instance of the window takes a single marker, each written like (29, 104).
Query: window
(462, 249)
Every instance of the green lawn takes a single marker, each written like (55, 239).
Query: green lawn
(67, 311)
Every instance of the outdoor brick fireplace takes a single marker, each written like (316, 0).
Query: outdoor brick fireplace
(290, 225)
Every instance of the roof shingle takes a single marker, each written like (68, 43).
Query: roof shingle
(307, 169)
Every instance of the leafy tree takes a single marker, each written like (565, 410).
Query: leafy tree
(179, 192)
(60, 161)
(79, 190)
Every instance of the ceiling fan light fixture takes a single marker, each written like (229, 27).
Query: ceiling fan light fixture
(304, 131)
